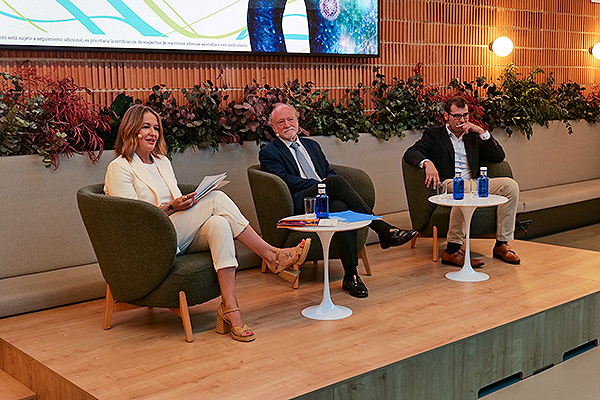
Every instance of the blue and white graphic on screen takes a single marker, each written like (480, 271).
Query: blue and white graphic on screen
(334, 26)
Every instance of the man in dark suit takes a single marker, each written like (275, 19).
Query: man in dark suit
(300, 162)
(463, 145)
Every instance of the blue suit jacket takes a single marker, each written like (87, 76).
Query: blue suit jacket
(277, 159)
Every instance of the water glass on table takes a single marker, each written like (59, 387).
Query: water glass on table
(441, 189)
(309, 208)
(473, 188)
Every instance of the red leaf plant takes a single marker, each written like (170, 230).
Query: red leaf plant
(58, 119)
(70, 125)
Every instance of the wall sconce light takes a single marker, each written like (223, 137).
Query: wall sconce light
(503, 46)
(595, 51)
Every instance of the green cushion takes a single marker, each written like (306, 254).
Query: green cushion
(194, 274)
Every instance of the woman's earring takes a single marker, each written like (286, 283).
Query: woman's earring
(140, 136)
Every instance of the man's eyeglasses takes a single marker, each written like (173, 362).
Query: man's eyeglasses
(459, 116)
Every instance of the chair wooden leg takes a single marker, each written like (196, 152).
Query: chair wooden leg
(435, 243)
(413, 242)
(109, 308)
(263, 266)
(184, 313)
(365, 258)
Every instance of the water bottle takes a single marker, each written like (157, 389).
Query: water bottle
(458, 185)
(322, 202)
(483, 183)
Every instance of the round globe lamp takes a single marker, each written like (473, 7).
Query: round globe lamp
(502, 46)
(595, 51)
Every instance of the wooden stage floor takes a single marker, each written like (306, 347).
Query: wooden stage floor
(412, 308)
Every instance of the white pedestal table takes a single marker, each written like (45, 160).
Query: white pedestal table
(326, 310)
(467, 207)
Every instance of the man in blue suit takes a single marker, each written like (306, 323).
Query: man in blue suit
(301, 164)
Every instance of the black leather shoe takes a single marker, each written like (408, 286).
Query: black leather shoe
(355, 286)
(396, 237)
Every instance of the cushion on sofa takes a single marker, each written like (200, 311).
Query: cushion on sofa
(553, 196)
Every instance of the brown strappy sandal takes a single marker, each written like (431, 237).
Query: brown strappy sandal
(237, 332)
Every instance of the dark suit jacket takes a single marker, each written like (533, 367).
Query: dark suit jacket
(277, 159)
(437, 147)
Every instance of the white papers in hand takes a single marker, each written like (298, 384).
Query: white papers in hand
(210, 183)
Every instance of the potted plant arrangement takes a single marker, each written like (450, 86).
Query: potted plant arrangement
(46, 115)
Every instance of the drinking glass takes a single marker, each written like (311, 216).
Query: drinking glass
(309, 208)
(442, 189)
(473, 188)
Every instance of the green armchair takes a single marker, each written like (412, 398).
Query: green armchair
(135, 244)
(273, 201)
(432, 220)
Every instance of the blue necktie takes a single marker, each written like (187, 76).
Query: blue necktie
(306, 168)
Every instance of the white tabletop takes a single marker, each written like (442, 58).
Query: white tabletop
(470, 200)
(341, 226)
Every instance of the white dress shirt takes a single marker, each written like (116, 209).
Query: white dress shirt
(162, 190)
(460, 153)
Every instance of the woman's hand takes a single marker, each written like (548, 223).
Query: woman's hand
(179, 204)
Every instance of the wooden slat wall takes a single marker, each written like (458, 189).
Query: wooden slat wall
(450, 37)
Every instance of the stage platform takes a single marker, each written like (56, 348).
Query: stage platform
(417, 336)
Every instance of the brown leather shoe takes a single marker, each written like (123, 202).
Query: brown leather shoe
(506, 254)
(458, 259)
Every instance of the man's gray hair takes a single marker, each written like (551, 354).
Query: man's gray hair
(278, 105)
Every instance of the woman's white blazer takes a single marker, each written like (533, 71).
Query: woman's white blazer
(133, 181)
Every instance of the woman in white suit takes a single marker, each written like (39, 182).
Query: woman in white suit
(143, 172)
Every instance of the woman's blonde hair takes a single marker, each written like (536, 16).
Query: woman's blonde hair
(132, 122)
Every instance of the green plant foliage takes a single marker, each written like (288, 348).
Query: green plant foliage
(572, 104)
(200, 121)
(17, 117)
(115, 113)
(197, 124)
(321, 115)
(351, 114)
(248, 120)
(46, 115)
(404, 105)
(519, 102)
